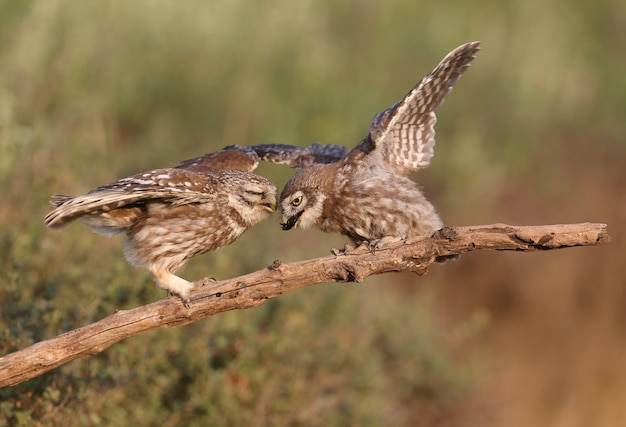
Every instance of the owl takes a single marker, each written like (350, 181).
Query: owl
(367, 195)
(202, 204)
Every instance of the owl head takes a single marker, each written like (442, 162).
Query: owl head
(302, 199)
(252, 196)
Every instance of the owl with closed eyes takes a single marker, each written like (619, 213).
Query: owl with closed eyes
(367, 195)
(170, 215)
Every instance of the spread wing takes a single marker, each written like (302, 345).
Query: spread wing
(300, 157)
(112, 207)
(246, 158)
(233, 157)
(404, 134)
(124, 198)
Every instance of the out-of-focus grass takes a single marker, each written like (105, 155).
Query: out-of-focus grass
(91, 92)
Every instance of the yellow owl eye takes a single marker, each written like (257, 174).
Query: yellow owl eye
(296, 201)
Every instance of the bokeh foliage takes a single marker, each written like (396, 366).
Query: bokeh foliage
(94, 91)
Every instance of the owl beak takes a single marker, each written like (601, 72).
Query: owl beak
(289, 223)
(270, 206)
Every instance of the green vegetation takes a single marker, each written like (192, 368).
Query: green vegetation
(94, 91)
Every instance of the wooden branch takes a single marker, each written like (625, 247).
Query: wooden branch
(253, 289)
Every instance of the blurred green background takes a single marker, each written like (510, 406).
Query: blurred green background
(534, 133)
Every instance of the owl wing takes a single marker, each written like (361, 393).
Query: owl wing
(404, 134)
(121, 201)
(246, 159)
(300, 157)
(232, 157)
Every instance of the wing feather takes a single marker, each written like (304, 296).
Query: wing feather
(300, 157)
(173, 186)
(232, 157)
(404, 134)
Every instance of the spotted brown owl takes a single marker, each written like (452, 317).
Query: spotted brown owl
(367, 195)
(170, 215)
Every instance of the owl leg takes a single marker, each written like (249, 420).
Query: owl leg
(173, 284)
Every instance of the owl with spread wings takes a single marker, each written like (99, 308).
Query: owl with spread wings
(367, 195)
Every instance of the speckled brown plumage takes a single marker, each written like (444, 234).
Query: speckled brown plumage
(170, 215)
(367, 195)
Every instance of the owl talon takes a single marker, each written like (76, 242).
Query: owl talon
(186, 302)
(346, 248)
(174, 285)
(206, 280)
(376, 244)
(373, 245)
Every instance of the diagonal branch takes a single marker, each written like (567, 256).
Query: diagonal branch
(253, 289)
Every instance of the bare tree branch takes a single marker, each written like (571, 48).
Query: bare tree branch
(253, 289)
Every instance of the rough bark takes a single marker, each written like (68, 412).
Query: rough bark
(253, 289)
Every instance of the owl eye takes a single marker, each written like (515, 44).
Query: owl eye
(296, 201)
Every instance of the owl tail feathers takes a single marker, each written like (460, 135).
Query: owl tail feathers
(103, 213)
